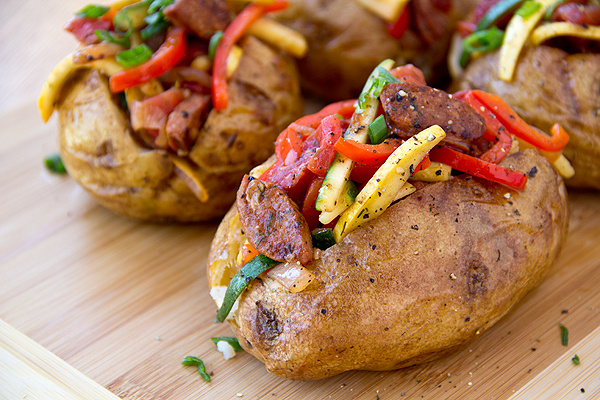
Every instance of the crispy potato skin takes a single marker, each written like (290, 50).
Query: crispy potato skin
(100, 153)
(346, 42)
(431, 273)
(552, 86)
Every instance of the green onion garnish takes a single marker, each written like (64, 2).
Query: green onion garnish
(213, 43)
(528, 9)
(191, 360)
(322, 238)
(387, 75)
(154, 29)
(233, 342)
(158, 5)
(576, 360)
(481, 41)
(108, 36)
(551, 9)
(54, 163)
(250, 271)
(92, 11)
(496, 12)
(134, 56)
(377, 130)
(564, 335)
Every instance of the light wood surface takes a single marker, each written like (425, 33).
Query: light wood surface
(124, 302)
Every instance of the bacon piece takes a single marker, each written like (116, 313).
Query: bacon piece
(272, 222)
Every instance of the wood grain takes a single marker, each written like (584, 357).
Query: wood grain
(124, 302)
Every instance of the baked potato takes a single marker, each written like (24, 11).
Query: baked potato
(159, 150)
(554, 80)
(411, 270)
(347, 39)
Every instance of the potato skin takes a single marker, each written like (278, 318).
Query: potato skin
(431, 273)
(551, 86)
(100, 153)
(346, 42)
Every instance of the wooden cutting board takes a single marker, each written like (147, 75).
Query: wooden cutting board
(121, 303)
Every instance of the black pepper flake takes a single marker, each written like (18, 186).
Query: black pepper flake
(373, 247)
(533, 349)
(372, 280)
(184, 114)
(386, 328)
(438, 172)
(323, 311)
(517, 213)
(582, 390)
(564, 311)
(415, 227)
(467, 319)
(532, 172)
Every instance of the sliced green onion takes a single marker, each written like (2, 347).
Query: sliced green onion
(496, 13)
(551, 9)
(576, 360)
(233, 342)
(322, 238)
(108, 36)
(528, 8)
(387, 75)
(213, 43)
(54, 164)
(92, 11)
(152, 30)
(134, 56)
(154, 18)
(158, 5)
(480, 42)
(250, 271)
(191, 360)
(564, 335)
(377, 130)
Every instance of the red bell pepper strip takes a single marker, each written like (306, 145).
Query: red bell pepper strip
(410, 74)
(370, 154)
(344, 108)
(289, 145)
(167, 55)
(478, 168)
(495, 132)
(328, 133)
(520, 128)
(398, 28)
(234, 31)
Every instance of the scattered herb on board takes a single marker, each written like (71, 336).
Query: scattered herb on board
(191, 360)
(54, 163)
(576, 360)
(564, 335)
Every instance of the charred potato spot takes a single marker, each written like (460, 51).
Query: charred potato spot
(267, 325)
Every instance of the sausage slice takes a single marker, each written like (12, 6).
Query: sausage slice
(272, 221)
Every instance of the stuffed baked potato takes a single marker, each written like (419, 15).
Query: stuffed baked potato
(555, 78)
(347, 39)
(158, 148)
(410, 270)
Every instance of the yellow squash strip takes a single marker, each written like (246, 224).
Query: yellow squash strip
(59, 75)
(388, 10)
(553, 29)
(404, 191)
(233, 59)
(280, 36)
(436, 172)
(515, 37)
(192, 175)
(382, 188)
(563, 167)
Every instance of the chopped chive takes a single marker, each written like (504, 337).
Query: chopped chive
(377, 130)
(213, 43)
(233, 342)
(92, 11)
(528, 9)
(54, 164)
(134, 56)
(576, 360)
(153, 29)
(564, 335)
(107, 36)
(191, 360)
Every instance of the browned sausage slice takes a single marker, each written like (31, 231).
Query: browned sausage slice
(411, 108)
(272, 222)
